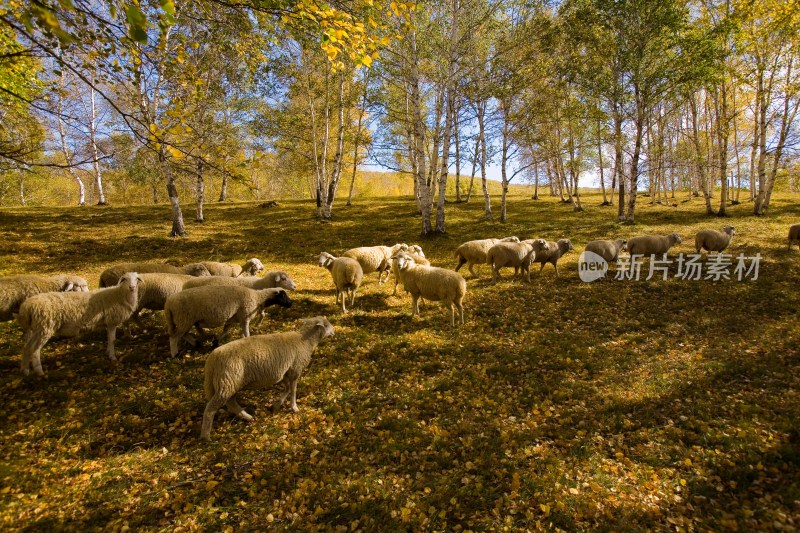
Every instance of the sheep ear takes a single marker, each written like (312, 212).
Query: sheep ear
(277, 277)
(139, 278)
(68, 287)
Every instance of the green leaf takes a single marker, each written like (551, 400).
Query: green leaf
(137, 22)
(168, 6)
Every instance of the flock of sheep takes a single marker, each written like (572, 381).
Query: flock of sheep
(212, 295)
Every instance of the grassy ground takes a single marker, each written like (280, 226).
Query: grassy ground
(607, 406)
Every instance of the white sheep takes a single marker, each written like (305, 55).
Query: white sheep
(250, 268)
(794, 235)
(259, 361)
(432, 283)
(15, 289)
(553, 254)
(515, 254)
(271, 280)
(712, 240)
(215, 306)
(375, 258)
(67, 314)
(156, 287)
(474, 253)
(347, 275)
(647, 245)
(415, 251)
(608, 250)
(111, 275)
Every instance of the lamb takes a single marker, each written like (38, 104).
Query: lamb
(347, 275)
(554, 253)
(67, 314)
(15, 289)
(415, 251)
(474, 252)
(259, 361)
(652, 244)
(794, 235)
(111, 275)
(271, 280)
(375, 258)
(432, 283)
(516, 254)
(251, 267)
(215, 306)
(608, 250)
(712, 240)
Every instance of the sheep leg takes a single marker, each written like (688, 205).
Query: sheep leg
(235, 409)
(246, 327)
(472, 270)
(555, 265)
(211, 409)
(293, 386)
(282, 398)
(112, 336)
(342, 300)
(461, 262)
(452, 314)
(414, 304)
(495, 274)
(352, 297)
(31, 353)
(460, 310)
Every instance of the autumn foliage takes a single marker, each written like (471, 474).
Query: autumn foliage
(669, 405)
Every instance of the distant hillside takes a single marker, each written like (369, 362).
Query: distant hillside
(370, 184)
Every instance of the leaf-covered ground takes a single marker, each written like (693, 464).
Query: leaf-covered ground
(617, 406)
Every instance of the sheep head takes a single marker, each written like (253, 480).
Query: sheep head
(253, 266)
(325, 259)
(319, 323)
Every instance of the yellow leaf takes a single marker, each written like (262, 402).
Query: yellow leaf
(545, 508)
(573, 491)
(211, 484)
(174, 152)
(366, 60)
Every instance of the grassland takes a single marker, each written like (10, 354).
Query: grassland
(613, 406)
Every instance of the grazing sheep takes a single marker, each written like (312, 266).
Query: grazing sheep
(516, 254)
(553, 254)
(474, 252)
(250, 268)
(15, 289)
(608, 250)
(111, 275)
(416, 254)
(375, 258)
(347, 275)
(271, 280)
(215, 306)
(259, 361)
(156, 287)
(67, 314)
(712, 240)
(432, 283)
(647, 245)
(794, 235)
